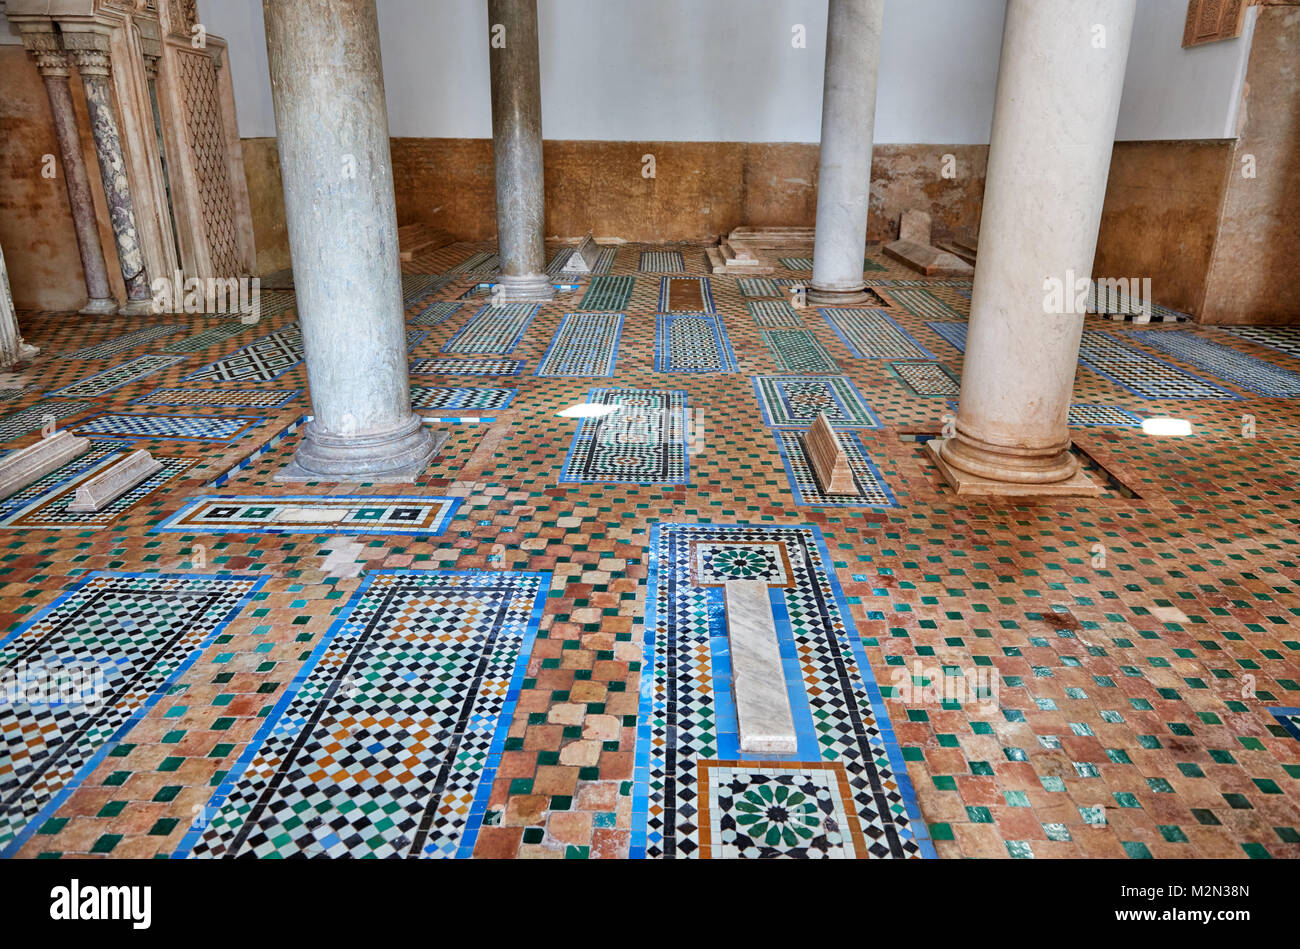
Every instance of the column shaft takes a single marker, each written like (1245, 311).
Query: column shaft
(332, 125)
(517, 150)
(844, 172)
(1058, 94)
(99, 296)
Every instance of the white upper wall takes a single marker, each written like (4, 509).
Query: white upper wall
(726, 70)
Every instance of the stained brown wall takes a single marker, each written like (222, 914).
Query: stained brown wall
(1254, 276)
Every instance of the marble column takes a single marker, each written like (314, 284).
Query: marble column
(844, 171)
(1058, 94)
(331, 120)
(94, 67)
(517, 149)
(12, 347)
(53, 66)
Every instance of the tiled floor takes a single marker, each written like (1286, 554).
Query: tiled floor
(524, 653)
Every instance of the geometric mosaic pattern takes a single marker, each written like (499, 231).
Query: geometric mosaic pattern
(417, 286)
(118, 376)
(662, 261)
(758, 287)
(796, 263)
(1086, 415)
(586, 344)
(307, 514)
(435, 313)
(1243, 371)
(774, 314)
(1285, 339)
(1289, 719)
(123, 343)
(220, 398)
(871, 488)
(388, 740)
(1141, 374)
(205, 427)
(925, 304)
(494, 330)
(481, 262)
(799, 351)
(926, 378)
(696, 289)
(468, 367)
(609, 293)
(644, 442)
(796, 401)
(126, 637)
(44, 505)
(440, 397)
(694, 342)
(872, 334)
(208, 337)
(953, 333)
(687, 728)
(262, 360)
(20, 423)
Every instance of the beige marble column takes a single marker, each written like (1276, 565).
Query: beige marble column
(12, 347)
(331, 123)
(1058, 94)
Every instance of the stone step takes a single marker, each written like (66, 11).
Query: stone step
(958, 251)
(928, 260)
(26, 465)
(827, 458)
(757, 674)
(98, 492)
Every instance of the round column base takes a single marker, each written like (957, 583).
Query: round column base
(399, 454)
(137, 308)
(1014, 465)
(104, 306)
(848, 296)
(533, 287)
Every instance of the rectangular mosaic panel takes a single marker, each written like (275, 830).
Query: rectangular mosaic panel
(118, 376)
(694, 291)
(469, 367)
(586, 344)
(774, 314)
(695, 793)
(695, 342)
(926, 378)
(644, 442)
(495, 330)
(417, 286)
(796, 263)
(1087, 415)
(661, 261)
(220, 398)
(122, 343)
(481, 262)
(954, 334)
(208, 337)
(922, 283)
(48, 509)
(260, 451)
(872, 490)
(274, 302)
(42, 487)
(561, 257)
(129, 637)
(1285, 339)
(28, 420)
(187, 427)
(262, 360)
(1234, 366)
(796, 401)
(799, 351)
(443, 397)
(311, 514)
(605, 262)
(1141, 374)
(435, 313)
(426, 666)
(924, 304)
(873, 334)
(608, 293)
(758, 287)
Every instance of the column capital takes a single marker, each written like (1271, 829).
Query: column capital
(41, 40)
(88, 47)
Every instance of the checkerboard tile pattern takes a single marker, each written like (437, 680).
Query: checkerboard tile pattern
(101, 383)
(493, 330)
(644, 442)
(444, 397)
(220, 398)
(586, 344)
(208, 427)
(468, 367)
(308, 514)
(124, 343)
(1233, 366)
(692, 342)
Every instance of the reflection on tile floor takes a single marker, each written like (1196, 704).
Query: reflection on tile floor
(1114, 677)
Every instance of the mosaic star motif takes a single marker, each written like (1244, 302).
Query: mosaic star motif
(415, 681)
(644, 442)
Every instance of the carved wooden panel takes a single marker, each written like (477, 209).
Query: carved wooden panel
(206, 138)
(1211, 20)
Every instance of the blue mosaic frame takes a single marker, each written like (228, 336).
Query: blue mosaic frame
(918, 828)
(844, 434)
(1088, 364)
(578, 440)
(142, 400)
(706, 292)
(88, 768)
(1284, 716)
(470, 326)
(483, 793)
(197, 374)
(663, 351)
(557, 339)
(253, 421)
(857, 354)
(804, 377)
(166, 525)
(258, 452)
(158, 367)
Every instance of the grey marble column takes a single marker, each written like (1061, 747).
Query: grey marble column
(844, 172)
(1054, 118)
(12, 347)
(93, 65)
(517, 149)
(332, 126)
(54, 69)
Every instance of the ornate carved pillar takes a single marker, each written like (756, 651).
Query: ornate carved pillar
(47, 52)
(12, 347)
(90, 54)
